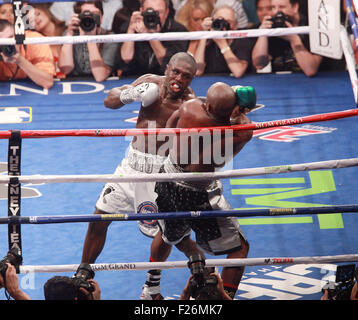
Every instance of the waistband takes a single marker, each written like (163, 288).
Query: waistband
(144, 162)
(171, 167)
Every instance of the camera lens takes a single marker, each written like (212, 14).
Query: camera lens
(151, 18)
(278, 20)
(8, 51)
(88, 21)
(13, 257)
(221, 24)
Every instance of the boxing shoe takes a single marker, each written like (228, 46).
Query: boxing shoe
(151, 293)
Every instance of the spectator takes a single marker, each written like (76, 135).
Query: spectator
(11, 284)
(263, 9)
(34, 61)
(191, 15)
(64, 288)
(86, 59)
(217, 293)
(124, 14)
(286, 53)
(63, 10)
(251, 13)
(223, 55)
(7, 13)
(137, 58)
(80, 287)
(49, 26)
(352, 296)
(241, 17)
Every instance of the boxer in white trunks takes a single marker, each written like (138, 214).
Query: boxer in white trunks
(160, 96)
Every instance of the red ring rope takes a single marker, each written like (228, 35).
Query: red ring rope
(171, 131)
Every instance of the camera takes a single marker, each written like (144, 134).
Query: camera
(80, 279)
(13, 257)
(279, 19)
(88, 20)
(8, 50)
(221, 24)
(342, 287)
(203, 286)
(151, 18)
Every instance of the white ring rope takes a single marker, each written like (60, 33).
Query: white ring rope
(166, 36)
(187, 176)
(120, 266)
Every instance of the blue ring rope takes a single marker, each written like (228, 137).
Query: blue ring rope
(179, 215)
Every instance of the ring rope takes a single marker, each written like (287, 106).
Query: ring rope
(174, 131)
(120, 266)
(16, 220)
(186, 176)
(166, 36)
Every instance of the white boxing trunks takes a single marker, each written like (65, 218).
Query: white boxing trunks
(133, 197)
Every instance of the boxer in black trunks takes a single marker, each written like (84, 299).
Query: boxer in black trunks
(215, 236)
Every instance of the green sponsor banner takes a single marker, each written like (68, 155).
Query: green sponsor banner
(272, 193)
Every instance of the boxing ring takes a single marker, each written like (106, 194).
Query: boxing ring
(291, 187)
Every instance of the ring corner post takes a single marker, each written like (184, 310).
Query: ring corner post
(14, 190)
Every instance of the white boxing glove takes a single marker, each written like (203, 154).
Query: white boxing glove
(146, 92)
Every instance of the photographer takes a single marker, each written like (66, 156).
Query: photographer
(80, 287)
(137, 58)
(344, 287)
(11, 284)
(8, 277)
(286, 53)
(20, 62)
(203, 284)
(223, 55)
(86, 59)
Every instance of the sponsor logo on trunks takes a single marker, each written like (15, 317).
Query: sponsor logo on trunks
(148, 207)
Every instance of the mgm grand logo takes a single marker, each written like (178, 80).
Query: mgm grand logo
(26, 191)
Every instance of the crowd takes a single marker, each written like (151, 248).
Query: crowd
(44, 63)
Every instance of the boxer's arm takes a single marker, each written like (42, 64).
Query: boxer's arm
(146, 93)
(173, 119)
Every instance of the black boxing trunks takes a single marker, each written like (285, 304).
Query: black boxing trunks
(214, 235)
